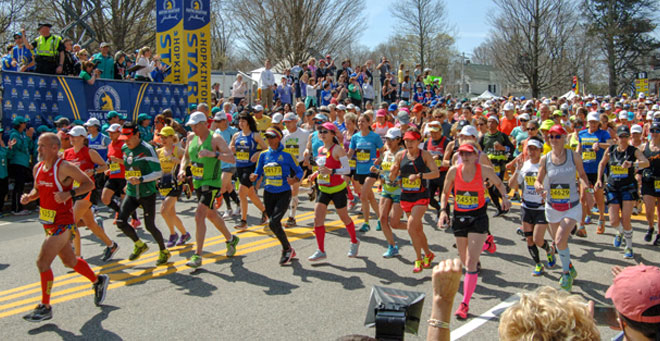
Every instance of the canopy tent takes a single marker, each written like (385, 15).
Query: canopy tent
(569, 95)
(485, 95)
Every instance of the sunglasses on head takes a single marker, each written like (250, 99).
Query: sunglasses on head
(554, 137)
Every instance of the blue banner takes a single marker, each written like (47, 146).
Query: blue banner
(41, 98)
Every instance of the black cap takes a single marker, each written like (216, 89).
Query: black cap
(622, 130)
(44, 24)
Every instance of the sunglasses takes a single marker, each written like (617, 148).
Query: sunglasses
(624, 136)
(524, 121)
(318, 122)
(532, 128)
(270, 137)
(324, 132)
(554, 137)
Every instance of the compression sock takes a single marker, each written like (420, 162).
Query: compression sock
(46, 285)
(534, 252)
(546, 246)
(225, 196)
(628, 236)
(114, 206)
(234, 197)
(565, 256)
(319, 231)
(351, 232)
(83, 268)
(469, 284)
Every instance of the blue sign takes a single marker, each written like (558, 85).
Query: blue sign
(40, 98)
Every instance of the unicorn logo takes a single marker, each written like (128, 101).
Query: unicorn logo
(106, 98)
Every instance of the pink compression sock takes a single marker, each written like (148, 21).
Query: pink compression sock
(469, 284)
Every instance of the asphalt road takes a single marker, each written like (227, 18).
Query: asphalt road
(250, 297)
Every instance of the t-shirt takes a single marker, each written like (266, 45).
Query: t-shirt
(591, 159)
(526, 179)
(366, 148)
(507, 125)
(227, 134)
(85, 76)
(295, 143)
(140, 161)
(262, 123)
(23, 56)
(326, 96)
(519, 135)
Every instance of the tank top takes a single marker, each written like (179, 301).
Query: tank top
(386, 166)
(99, 143)
(329, 183)
(205, 170)
(116, 169)
(560, 183)
(245, 148)
(167, 165)
(51, 213)
(654, 160)
(617, 175)
(80, 159)
(415, 190)
(439, 150)
(468, 196)
(347, 142)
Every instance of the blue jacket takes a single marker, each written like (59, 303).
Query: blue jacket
(278, 166)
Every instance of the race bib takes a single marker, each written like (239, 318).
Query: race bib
(497, 169)
(618, 172)
(133, 173)
(411, 186)
(197, 172)
(530, 180)
(273, 175)
(588, 155)
(293, 150)
(46, 216)
(656, 183)
(560, 193)
(352, 163)
(164, 191)
(386, 166)
(438, 162)
(467, 200)
(114, 168)
(323, 179)
(242, 156)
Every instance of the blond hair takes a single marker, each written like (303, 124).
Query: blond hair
(548, 314)
(351, 117)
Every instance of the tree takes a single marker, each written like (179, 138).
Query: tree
(533, 42)
(425, 21)
(291, 30)
(222, 33)
(10, 13)
(624, 30)
(483, 54)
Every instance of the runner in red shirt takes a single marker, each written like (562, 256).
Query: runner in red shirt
(53, 185)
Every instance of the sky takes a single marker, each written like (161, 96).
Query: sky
(468, 17)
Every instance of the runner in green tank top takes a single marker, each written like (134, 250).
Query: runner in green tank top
(205, 161)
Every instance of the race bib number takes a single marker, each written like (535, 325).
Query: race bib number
(273, 175)
(363, 156)
(438, 162)
(497, 169)
(588, 155)
(323, 179)
(560, 193)
(114, 168)
(133, 173)
(656, 183)
(411, 186)
(293, 150)
(197, 172)
(46, 216)
(352, 163)
(618, 172)
(467, 200)
(164, 191)
(242, 156)
(530, 180)
(386, 166)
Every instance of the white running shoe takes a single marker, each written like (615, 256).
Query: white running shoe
(227, 214)
(236, 212)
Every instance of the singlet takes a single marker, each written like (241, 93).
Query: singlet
(246, 146)
(560, 183)
(167, 165)
(295, 143)
(206, 171)
(386, 166)
(227, 134)
(437, 149)
(100, 144)
(527, 178)
(329, 183)
(468, 196)
(617, 175)
(416, 190)
(352, 162)
(51, 213)
(80, 159)
(116, 169)
(654, 160)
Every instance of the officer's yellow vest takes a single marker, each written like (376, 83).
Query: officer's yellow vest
(47, 47)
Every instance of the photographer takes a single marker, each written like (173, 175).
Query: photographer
(384, 68)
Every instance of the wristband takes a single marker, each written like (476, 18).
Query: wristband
(333, 171)
(438, 324)
(72, 193)
(141, 179)
(217, 154)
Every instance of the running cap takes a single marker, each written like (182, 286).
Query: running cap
(649, 115)
(524, 116)
(557, 113)
(392, 107)
(220, 116)
(196, 117)
(418, 107)
(321, 117)
(623, 115)
(534, 143)
(77, 131)
(167, 131)
(508, 106)
(258, 108)
(277, 118)
(290, 117)
(547, 124)
(433, 126)
(403, 117)
(329, 126)
(469, 131)
(412, 135)
(381, 112)
(493, 118)
(93, 122)
(350, 106)
(636, 293)
(467, 147)
(622, 130)
(593, 117)
(636, 128)
(129, 129)
(393, 133)
(341, 107)
(113, 128)
(557, 129)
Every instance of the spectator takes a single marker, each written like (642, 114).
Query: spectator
(239, 89)
(89, 74)
(312, 87)
(266, 82)
(144, 127)
(160, 70)
(384, 69)
(120, 65)
(104, 62)
(7, 63)
(142, 75)
(81, 56)
(405, 89)
(49, 51)
(19, 161)
(68, 68)
(22, 55)
(284, 92)
(76, 48)
(4, 174)
(216, 93)
(354, 92)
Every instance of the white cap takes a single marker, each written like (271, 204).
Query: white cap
(113, 128)
(593, 117)
(641, 95)
(564, 106)
(655, 107)
(78, 131)
(547, 102)
(219, 116)
(508, 106)
(623, 115)
(341, 107)
(656, 114)
(402, 103)
(469, 131)
(393, 133)
(195, 118)
(649, 115)
(93, 122)
(636, 128)
(493, 118)
(258, 107)
(289, 117)
(488, 103)
(524, 116)
(535, 143)
(277, 118)
(350, 106)
(608, 106)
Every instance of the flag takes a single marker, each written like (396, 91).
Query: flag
(575, 87)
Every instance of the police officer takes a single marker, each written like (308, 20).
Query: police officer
(48, 50)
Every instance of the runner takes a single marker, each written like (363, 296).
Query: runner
(366, 146)
(470, 223)
(593, 143)
(277, 166)
(556, 181)
(170, 155)
(205, 154)
(222, 121)
(295, 139)
(98, 142)
(414, 192)
(142, 172)
(498, 147)
(53, 186)
(621, 160)
(532, 213)
(332, 162)
(91, 163)
(436, 146)
(390, 208)
(246, 145)
(651, 182)
(350, 123)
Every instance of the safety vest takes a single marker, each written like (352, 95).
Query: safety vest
(47, 47)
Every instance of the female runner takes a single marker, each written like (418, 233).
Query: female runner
(170, 158)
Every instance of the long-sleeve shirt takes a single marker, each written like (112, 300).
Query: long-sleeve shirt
(146, 70)
(239, 89)
(276, 166)
(267, 79)
(20, 152)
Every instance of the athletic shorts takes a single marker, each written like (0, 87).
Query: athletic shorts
(206, 195)
(85, 197)
(243, 174)
(616, 196)
(231, 170)
(470, 222)
(339, 199)
(58, 229)
(554, 216)
(593, 177)
(362, 177)
(533, 216)
(396, 198)
(648, 188)
(407, 206)
(116, 185)
(170, 192)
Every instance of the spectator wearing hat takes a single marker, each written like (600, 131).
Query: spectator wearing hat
(21, 54)
(105, 62)
(145, 128)
(5, 151)
(48, 50)
(19, 161)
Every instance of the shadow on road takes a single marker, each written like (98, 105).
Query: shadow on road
(91, 330)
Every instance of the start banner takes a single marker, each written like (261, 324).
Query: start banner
(197, 46)
(170, 37)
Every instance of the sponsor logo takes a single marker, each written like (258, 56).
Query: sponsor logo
(196, 11)
(168, 12)
(106, 98)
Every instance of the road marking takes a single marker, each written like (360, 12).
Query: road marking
(5, 223)
(483, 318)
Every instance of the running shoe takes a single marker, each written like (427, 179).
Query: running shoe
(628, 253)
(218, 203)
(351, 205)
(572, 270)
(236, 212)
(287, 256)
(594, 209)
(227, 214)
(22, 213)
(516, 197)
(392, 251)
(601, 227)
(109, 252)
(195, 261)
(242, 225)
(418, 266)
(538, 270)
(40, 313)
(312, 195)
(581, 232)
(427, 260)
(365, 227)
(587, 220)
(656, 242)
(137, 251)
(552, 260)
(574, 230)
(617, 240)
(520, 232)
(499, 213)
(492, 247)
(291, 222)
(462, 311)
(353, 249)
(648, 236)
(184, 239)
(318, 255)
(378, 228)
(566, 282)
(172, 241)
(135, 223)
(231, 246)
(163, 257)
(635, 210)
(100, 288)
(264, 218)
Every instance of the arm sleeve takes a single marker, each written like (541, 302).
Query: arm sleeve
(345, 168)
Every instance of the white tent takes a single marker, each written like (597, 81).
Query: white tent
(485, 95)
(569, 95)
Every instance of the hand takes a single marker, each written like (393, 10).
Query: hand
(413, 177)
(25, 199)
(627, 164)
(58, 70)
(90, 173)
(12, 143)
(116, 159)
(616, 270)
(23, 68)
(498, 146)
(206, 153)
(595, 147)
(107, 172)
(598, 184)
(62, 197)
(373, 169)
(539, 188)
(292, 180)
(134, 180)
(324, 170)
(253, 177)
(13, 64)
(506, 204)
(446, 279)
(182, 176)
(443, 222)
(254, 158)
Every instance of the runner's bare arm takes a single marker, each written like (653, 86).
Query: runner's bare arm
(642, 161)
(489, 173)
(433, 173)
(396, 166)
(538, 184)
(580, 169)
(601, 168)
(98, 160)
(68, 170)
(447, 159)
(223, 153)
(446, 189)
